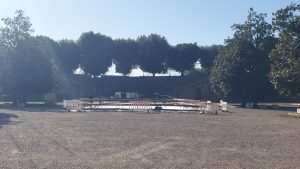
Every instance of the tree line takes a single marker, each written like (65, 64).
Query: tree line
(260, 57)
(96, 52)
(30, 64)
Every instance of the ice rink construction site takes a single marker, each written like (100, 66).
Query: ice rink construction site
(144, 105)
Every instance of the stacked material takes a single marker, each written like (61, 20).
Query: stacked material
(144, 105)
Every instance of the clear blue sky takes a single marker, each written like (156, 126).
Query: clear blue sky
(203, 21)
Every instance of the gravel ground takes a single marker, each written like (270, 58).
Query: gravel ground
(244, 138)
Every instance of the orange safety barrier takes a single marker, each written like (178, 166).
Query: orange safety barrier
(142, 105)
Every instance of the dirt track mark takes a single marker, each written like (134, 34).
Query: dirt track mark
(19, 149)
(50, 140)
(138, 153)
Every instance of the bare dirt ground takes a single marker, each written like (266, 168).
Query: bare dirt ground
(244, 138)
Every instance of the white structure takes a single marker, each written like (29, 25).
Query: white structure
(73, 105)
(118, 95)
(223, 105)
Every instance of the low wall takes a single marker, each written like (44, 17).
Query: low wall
(193, 86)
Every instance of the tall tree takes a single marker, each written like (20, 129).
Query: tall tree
(16, 29)
(68, 55)
(183, 57)
(52, 50)
(27, 70)
(285, 57)
(233, 73)
(241, 69)
(153, 51)
(125, 55)
(25, 67)
(96, 53)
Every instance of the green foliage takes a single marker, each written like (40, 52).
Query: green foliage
(68, 55)
(96, 53)
(183, 57)
(208, 55)
(241, 69)
(65, 54)
(153, 51)
(125, 56)
(16, 29)
(234, 72)
(52, 51)
(27, 70)
(25, 67)
(285, 57)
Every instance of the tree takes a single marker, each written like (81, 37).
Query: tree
(65, 54)
(183, 57)
(233, 73)
(208, 55)
(4, 54)
(125, 55)
(68, 55)
(241, 69)
(285, 58)
(25, 68)
(16, 29)
(96, 53)
(52, 51)
(153, 51)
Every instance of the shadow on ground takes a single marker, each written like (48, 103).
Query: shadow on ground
(7, 118)
(35, 108)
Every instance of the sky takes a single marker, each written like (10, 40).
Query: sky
(205, 22)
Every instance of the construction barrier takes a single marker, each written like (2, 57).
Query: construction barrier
(212, 107)
(197, 105)
(141, 105)
(144, 105)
